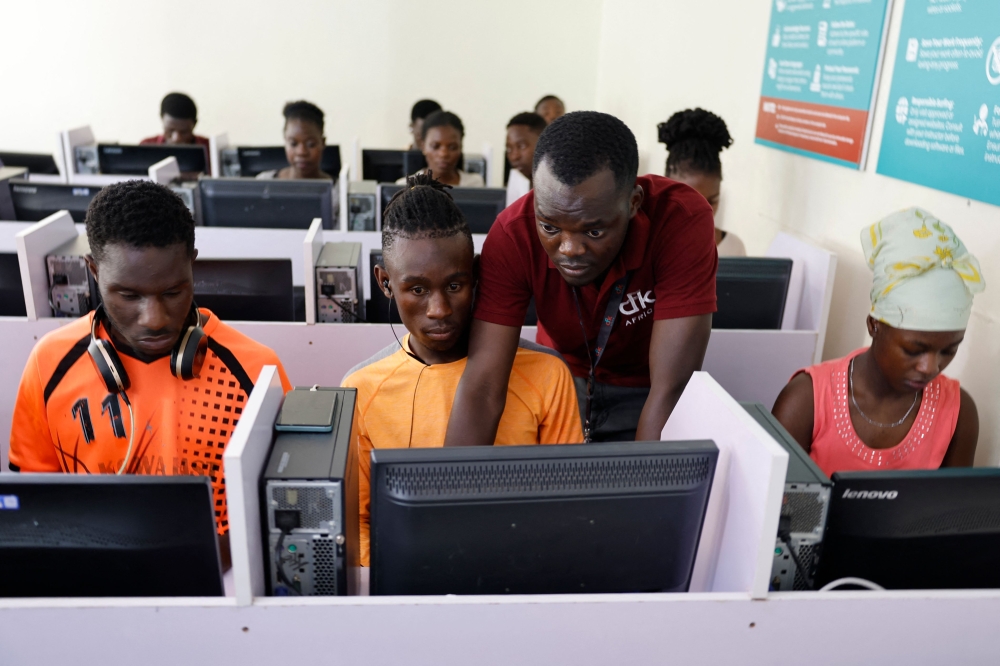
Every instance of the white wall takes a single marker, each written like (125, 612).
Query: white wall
(109, 62)
(661, 56)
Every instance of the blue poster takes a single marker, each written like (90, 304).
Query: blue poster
(820, 73)
(942, 128)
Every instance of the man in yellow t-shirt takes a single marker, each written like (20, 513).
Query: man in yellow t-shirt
(405, 392)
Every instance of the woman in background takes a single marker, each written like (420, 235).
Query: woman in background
(443, 135)
(888, 407)
(304, 143)
(695, 138)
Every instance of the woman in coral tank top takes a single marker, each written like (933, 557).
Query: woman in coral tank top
(889, 406)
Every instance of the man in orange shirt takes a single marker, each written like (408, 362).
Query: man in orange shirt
(405, 392)
(181, 377)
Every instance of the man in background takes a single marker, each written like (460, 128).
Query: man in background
(523, 131)
(420, 110)
(550, 107)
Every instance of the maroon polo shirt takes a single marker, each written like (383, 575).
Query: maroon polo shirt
(669, 249)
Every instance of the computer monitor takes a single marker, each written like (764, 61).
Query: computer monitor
(479, 205)
(39, 163)
(245, 289)
(751, 292)
(414, 161)
(136, 160)
(81, 535)
(382, 166)
(36, 201)
(276, 204)
(255, 160)
(623, 517)
(927, 529)
(11, 290)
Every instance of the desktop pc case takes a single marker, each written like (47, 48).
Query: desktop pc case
(72, 289)
(804, 507)
(338, 284)
(313, 476)
(361, 206)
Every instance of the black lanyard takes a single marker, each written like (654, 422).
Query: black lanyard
(610, 316)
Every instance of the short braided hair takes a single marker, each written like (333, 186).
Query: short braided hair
(694, 138)
(579, 144)
(138, 213)
(422, 209)
(304, 111)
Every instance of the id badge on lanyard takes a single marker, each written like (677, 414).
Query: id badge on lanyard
(594, 356)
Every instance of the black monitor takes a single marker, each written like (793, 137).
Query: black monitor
(383, 166)
(136, 160)
(751, 292)
(11, 290)
(34, 162)
(928, 529)
(36, 201)
(622, 517)
(479, 205)
(245, 289)
(70, 535)
(255, 160)
(272, 203)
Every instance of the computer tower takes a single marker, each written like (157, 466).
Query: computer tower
(72, 289)
(361, 206)
(804, 508)
(338, 284)
(310, 487)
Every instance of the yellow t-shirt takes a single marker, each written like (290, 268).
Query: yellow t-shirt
(403, 403)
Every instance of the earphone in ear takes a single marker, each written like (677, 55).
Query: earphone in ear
(388, 290)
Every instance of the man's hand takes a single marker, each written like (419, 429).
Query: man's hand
(676, 349)
(482, 392)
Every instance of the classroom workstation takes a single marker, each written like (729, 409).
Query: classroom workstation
(292, 366)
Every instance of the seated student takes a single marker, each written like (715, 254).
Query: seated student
(68, 417)
(304, 143)
(889, 406)
(523, 131)
(405, 392)
(418, 113)
(550, 107)
(443, 135)
(695, 138)
(179, 116)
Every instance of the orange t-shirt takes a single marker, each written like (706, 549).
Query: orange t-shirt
(403, 403)
(66, 421)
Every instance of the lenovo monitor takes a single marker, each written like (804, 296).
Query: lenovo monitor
(136, 160)
(82, 535)
(479, 205)
(927, 529)
(587, 518)
(11, 290)
(276, 204)
(38, 163)
(271, 158)
(36, 201)
(245, 289)
(751, 292)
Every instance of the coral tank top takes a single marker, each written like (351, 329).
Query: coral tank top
(836, 446)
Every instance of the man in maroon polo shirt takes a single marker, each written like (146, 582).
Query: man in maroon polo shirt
(179, 115)
(622, 270)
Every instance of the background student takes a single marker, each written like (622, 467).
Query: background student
(443, 134)
(550, 107)
(523, 131)
(304, 143)
(418, 113)
(695, 138)
(622, 270)
(179, 116)
(889, 406)
(405, 392)
(69, 418)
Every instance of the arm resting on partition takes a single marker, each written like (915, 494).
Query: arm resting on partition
(482, 392)
(676, 350)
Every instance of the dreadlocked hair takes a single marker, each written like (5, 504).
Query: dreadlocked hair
(422, 209)
(695, 138)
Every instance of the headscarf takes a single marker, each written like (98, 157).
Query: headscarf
(924, 277)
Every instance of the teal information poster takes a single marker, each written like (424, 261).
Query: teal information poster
(942, 127)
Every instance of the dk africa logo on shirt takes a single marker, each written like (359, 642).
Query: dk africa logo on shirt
(637, 306)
